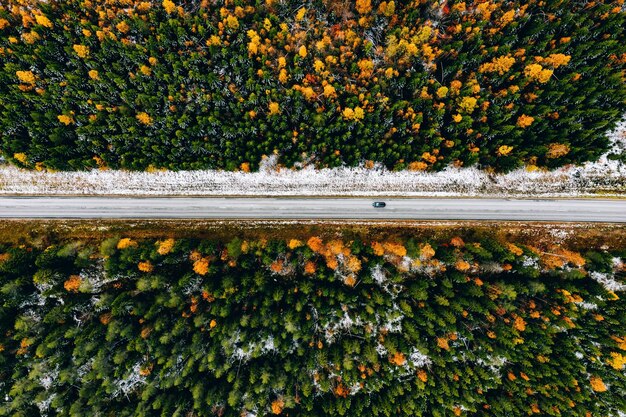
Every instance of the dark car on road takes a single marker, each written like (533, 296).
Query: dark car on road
(379, 204)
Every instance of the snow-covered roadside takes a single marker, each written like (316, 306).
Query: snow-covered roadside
(604, 177)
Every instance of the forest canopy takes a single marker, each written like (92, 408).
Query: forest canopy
(311, 326)
(420, 85)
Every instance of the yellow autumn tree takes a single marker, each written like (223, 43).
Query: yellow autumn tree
(574, 258)
(427, 251)
(363, 6)
(300, 14)
(26, 77)
(283, 76)
(504, 150)
(81, 50)
(21, 156)
(144, 118)
(442, 92)
(417, 166)
(468, 104)
(557, 150)
(350, 280)
(274, 108)
(514, 249)
(524, 121)
(597, 384)
(277, 266)
(329, 91)
(457, 242)
(106, 318)
(537, 73)
(501, 65)
(335, 247)
(422, 375)
(332, 263)
(348, 113)
(398, 359)
(617, 361)
(315, 244)
(43, 21)
(145, 266)
(519, 324)
(277, 406)
(65, 119)
(557, 60)
(354, 264)
(145, 332)
(201, 266)
(378, 249)
(169, 6)
(165, 246)
(442, 343)
(309, 267)
(394, 249)
(462, 265)
(122, 26)
(145, 70)
(72, 283)
(341, 391)
(126, 243)
(551, 261)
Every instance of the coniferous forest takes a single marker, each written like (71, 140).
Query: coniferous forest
(420, 85)
(474, 326)
(219, 320)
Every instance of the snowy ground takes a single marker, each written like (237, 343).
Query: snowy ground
(604, 177)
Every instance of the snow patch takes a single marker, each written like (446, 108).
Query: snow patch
(494, 363)
(380, 278)
(378, 275)
(587, 306)
(559, 234)
(267, 345)
(44, 405)
(355, 388)
(530, 262)
(338, 325)
(95, 277)
(132, 381)
(47, 380)
(240, 355)
(381, 350)
(491, 267)
(417, 359)
(607, 281)
(245, 353)
(394, 323)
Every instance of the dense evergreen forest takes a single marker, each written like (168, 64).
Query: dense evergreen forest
(311, 327)
(420, 84)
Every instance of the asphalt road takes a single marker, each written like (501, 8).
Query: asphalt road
(314, 208)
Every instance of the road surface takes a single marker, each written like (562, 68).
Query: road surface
(592, 210)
